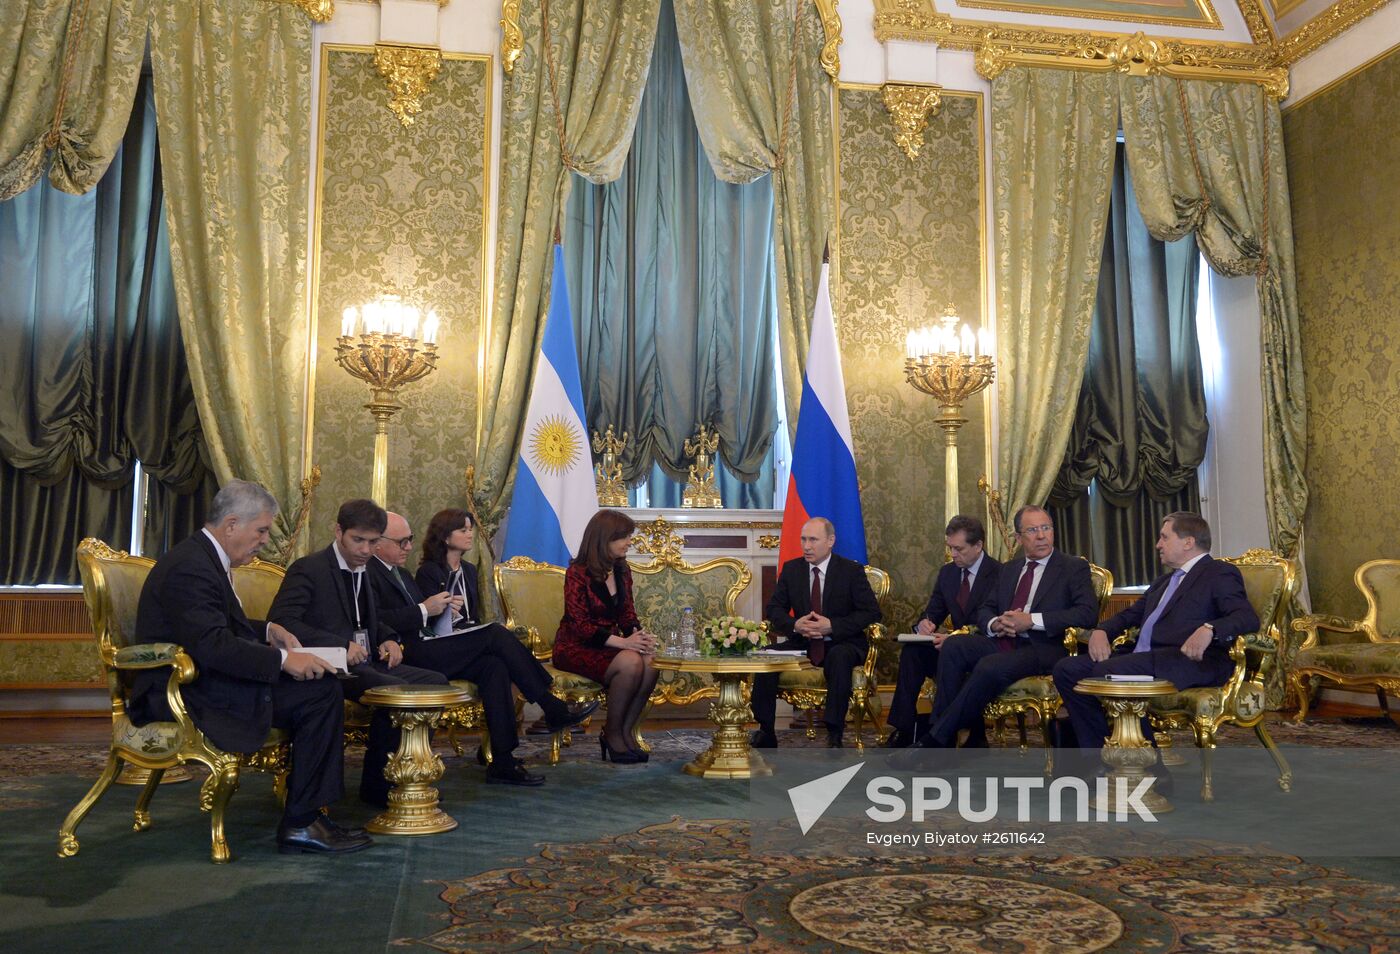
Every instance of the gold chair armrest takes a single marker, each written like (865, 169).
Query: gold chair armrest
(147, 656)
(1314, 623)
(875, 632)
(967, 630)
(1075, 636)
(531, 637)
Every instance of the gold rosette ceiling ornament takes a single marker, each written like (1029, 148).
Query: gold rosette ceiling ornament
(387, 343)
(952, 366)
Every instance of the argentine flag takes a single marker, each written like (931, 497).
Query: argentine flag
(823, 478)
(555, 495)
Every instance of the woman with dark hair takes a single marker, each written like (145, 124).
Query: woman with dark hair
(459, 645)
(600, 636)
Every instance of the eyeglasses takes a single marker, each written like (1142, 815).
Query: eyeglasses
(1043, 528)
(405, 543)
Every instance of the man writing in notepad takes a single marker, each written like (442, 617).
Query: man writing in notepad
(1188, 619)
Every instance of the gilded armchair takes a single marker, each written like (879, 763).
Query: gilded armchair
(532, 596)
(1354, 653)
(805, 689)
(112, 582)
(1270, 582)
(1037, 693)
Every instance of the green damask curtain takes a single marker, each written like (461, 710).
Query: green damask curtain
(763, 104)
(96, 367)
(1208, 158)
(671, 283)
(1140, 428)
(233, 94)
(1052, 172)
(80, 58)
(573, 109)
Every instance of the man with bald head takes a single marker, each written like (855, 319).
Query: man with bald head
(822, 604)
(489, 656)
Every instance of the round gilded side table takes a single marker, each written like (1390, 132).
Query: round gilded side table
(414, 768)
(1127, 752)
(729, 755)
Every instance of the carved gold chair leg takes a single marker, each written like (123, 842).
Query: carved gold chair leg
(1303, 684)
(1205, 741)
(637, 739)
(225, 784)
(1047, 724)
(1021, 731)
(1285, 771)
(143, 802)
(279, 785)
(455, 742)
(858, 715)
(486, 746)
(556, 741)
(67, 840)
(811, 724)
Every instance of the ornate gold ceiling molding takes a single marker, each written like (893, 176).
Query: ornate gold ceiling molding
(910, 108)
(1332, 22)
(1209, 20)
(999, 45)
(318, 11)
(512, 40)
(831, 26)
(1260, 30)
(409, 71)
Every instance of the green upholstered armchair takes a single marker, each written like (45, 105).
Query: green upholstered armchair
(1354, 653)
(112, 582)
(1270, 581)
(1037, 693)
(805, 689)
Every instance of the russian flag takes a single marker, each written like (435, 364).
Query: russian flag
(823, 478)
(555, 495)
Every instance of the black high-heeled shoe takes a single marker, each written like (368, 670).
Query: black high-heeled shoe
(627, 757)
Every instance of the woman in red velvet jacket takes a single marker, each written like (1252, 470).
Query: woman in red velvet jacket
(600, 636)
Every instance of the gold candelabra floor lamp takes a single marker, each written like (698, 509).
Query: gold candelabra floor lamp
(952, 366)
(387, 343)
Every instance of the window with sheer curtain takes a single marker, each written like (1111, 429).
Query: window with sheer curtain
(1140, 428)
(672, 282)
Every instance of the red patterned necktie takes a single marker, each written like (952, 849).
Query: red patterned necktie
(964, 592)
(816, 648)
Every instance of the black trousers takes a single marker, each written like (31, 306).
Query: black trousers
(972, 672)
(917, 662)
(493, 658)
(1086, 712)
(312, 712)
(840, 660)
(383, 737)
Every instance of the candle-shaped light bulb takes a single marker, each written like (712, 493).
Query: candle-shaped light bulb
(984, 341)
(348, 317)
(430, 328)
(969, 343)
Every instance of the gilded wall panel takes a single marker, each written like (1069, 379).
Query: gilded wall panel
(36, 662)
(909, 242)
(1343, 149)
(400, 209)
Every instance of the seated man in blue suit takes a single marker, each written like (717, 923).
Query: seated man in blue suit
(1189, 617)
(962, 586)
(1038, 596)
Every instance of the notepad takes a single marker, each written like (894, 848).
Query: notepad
(914, 638)
(333, 655)
(780, 652)
(428, 634)
(1128, 677)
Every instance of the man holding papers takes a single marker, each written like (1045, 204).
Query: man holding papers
(1189, 617)
(326, 600)
(487, 654)
(962, 586)
(252, 675)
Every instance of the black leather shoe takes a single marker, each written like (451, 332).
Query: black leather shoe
(898, 739)
(322, 836)
(515, 775)
(351, 832)
(763, 739)
(576, 714)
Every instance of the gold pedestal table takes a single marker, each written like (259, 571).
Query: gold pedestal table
(412, 770)
(1127, 752)
(729, 755)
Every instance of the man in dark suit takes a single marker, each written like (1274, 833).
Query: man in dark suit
(822, 604)
(1038, 596)
(326, 600)
(491, 656)
(251, 674)
(962, 586)
(1189, 617)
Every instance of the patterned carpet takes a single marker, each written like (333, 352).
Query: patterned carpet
(689, 886)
